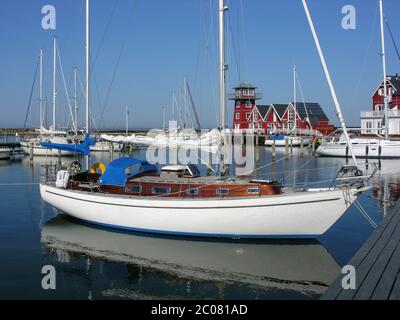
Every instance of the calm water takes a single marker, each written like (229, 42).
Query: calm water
(94, 263)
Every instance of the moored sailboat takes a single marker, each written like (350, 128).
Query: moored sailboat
(132, 194)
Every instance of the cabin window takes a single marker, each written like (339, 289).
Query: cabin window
(237, 104)
(253, 190)
(222, 192)
(248, 104)
(248, 114)
(193, 192)
(237, 116)
(160, 190)
(133, 189)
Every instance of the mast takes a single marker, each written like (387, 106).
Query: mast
(330, 83)
(75, 100)
(87, 42)
(295, 99)
(185, 102)
(222, 64)
(54, 81)
(222, 90)
(385, 95)
(41, 90)
(127, 120)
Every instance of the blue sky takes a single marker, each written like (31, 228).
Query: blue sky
(161, 41)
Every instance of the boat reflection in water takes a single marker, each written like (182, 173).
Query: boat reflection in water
(305, 269)
(386, 184)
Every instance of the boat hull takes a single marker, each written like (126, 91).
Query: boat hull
(5, 154)
(362, 149)
(299, 215)
(294, 142)
(40, 151)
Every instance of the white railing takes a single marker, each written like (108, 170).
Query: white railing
(379, 114)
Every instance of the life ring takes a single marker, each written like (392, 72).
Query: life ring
(98, 166)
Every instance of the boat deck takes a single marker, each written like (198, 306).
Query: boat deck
(377, 265)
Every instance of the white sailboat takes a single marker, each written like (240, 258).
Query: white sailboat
(33, 145)
(178, 201)
(376, 148)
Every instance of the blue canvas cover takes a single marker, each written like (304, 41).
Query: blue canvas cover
(278, 137)
(82, 148)
(115, 173)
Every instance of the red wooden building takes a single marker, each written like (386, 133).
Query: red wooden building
(372, 121)
(275, 117)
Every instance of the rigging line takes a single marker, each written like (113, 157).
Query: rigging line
(391, 36)
(364, 213)
(365, 60)
(112, 81)
(97, 92)
(19, 184)
(66, 89)
(293, 172)
(105, 33)
(235, 51)
(302, 97)
(243, 27)
(31, 94)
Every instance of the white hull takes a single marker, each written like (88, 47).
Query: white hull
(5, 153)
(293, 141)
(295, 215)
(40, 151)
(105, 147)
(363, 148)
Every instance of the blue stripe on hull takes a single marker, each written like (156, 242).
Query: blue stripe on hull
(205, 235)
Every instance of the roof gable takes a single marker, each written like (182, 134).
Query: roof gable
(280, 109)
(262, 110)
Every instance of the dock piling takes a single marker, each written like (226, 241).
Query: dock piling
(274, 151)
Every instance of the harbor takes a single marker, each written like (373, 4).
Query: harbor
(100, 263)
(203, 170)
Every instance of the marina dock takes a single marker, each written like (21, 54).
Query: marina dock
(377, 265)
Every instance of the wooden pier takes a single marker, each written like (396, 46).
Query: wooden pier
(377, 265)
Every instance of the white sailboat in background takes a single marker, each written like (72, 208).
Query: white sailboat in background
(375, 148)
(33, 145)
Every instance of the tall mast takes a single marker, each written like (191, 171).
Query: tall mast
(75, 100)
(54, 81)
(385, 95)
(222, 65)
(330, 83)
(222, 90)
(127, 120)
(185, 102)
(41, 90)
(87, 43)
(295, 98)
